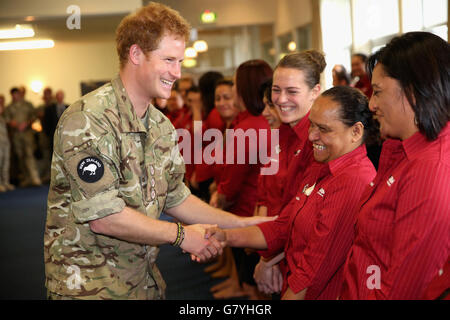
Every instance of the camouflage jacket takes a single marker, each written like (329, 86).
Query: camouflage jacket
(20, 111)
(104, 159)
(4, 139)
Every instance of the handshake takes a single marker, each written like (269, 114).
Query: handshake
(204, 241)
(209, 242)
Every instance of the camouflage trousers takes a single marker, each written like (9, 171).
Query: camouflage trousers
(4, 162)
(23, 146)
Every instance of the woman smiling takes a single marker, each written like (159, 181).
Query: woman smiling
(315, 230)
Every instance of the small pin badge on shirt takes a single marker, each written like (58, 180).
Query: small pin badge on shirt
(321, 192)
(308, 190)
(390, 181)
(297, 152)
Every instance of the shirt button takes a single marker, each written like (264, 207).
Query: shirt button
(152, 182)
(153, 194)
(152, 170)
(297, 198)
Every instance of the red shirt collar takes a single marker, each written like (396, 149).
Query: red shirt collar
(301, 127)
(336, 165)
(414, 145)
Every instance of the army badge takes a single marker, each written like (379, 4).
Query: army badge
(90, 169)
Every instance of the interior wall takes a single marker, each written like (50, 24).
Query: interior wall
(61, 67)
(292, 14)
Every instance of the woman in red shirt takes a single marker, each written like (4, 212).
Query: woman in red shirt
(403, 227)
(296, 85)
(315, 229)
(237, 189)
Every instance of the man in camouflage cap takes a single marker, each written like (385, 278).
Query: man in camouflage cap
(116, 166)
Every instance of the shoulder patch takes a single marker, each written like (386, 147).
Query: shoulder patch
(90, 169)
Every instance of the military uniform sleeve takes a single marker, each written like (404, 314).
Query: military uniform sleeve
(177, 191)
(89, 158)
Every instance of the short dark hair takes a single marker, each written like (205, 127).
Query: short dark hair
(207, 85)
(360, 55)
(224, 82)
(420, 62)
(249, 77)
(193, 88)
(354, 107)
(14, 90)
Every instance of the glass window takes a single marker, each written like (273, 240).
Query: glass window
(441, 31)
(412, 15)
(374, 19)
(283, 41)
(434, 12)
(304, 38)
(336, 35)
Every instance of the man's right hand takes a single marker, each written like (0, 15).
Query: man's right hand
(200, 247)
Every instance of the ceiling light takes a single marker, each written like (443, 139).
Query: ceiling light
(31, 44)
(190, 52)
(189, 63)
(292, 46)
(208, 17)
(18, 32)
(36, 86)
(200, 46)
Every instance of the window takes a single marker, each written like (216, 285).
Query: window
(350, 26)
(374, 19)
(428, 15)
(336, 35)
(304, 41)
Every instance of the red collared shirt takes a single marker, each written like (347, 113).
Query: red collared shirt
(271, 188)
(316, 227)
(239, 181)
(205, 171)
(403, 224)
(300, 156)
(365, 86)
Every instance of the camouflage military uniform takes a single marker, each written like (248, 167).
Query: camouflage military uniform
(4, 155)
(23, 143)
(104, 159)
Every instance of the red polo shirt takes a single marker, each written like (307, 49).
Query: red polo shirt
(316, 227)
(271, 188)
(239, 181)
(300, 157)
(365, 86)
(403, 224)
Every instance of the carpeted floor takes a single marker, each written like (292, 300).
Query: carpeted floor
(22, 221)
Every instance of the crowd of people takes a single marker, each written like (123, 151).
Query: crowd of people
(26, 135)
(330, 141)
(258, 97)
(357, 209)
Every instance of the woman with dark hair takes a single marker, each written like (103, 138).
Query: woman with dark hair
(315, 230)
(401, 246)
(237, 189)
(296, 85)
